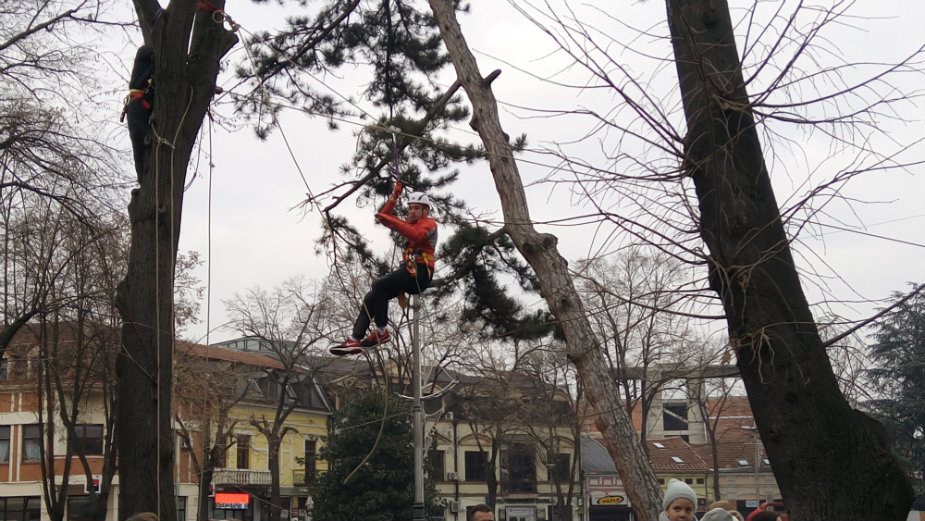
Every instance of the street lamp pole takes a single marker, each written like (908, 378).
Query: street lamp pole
(417, 509)
(754, 433)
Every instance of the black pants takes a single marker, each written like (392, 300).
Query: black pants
(376, 302)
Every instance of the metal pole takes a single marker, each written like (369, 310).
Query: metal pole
(757, 466)
(417, 509)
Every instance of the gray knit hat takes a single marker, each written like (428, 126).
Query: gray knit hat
(678, 489)
(717, 514)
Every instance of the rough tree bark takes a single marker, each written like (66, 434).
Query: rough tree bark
(188, 44)
(551, 268)
(831, 462)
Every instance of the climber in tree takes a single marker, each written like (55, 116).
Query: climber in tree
(413, 276)
(139, 102)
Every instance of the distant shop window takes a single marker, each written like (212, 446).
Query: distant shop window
(4, 443)
(79, 508)
(476, 463)
(21, 508)
(88, 439)
(674, 417)
(32, 443)
(216, 512)
(230, 505)
(243, 445)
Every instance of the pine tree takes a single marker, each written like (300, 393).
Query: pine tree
(899, 351)
(399, 41)
(370, 454)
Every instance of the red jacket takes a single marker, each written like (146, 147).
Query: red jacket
(421, 234)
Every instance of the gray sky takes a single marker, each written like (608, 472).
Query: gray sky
(258, 240)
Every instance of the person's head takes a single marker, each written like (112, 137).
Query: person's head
(418, 206)
(481, 513)
(766, 515)
(680, 501)
(717, 514)
(737, 515)
(143, 516)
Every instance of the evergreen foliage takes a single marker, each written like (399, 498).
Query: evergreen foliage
(899, 351)
(399, 43)
(382, 488)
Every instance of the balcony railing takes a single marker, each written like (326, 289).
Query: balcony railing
(302, 477)
(240, 477)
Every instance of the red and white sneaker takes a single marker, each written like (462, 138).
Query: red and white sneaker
(375, 338)
(348, 347)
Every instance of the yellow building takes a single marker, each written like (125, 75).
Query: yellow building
(216, 390)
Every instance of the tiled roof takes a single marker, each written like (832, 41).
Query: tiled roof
(675, 454)
(594, 457)
(228, 355)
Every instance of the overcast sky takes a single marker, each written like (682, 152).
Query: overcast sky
(250, 236)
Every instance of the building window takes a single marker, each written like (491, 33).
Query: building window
(700, 481)
(674, 417)
(181, 508)
(32, 443)
(21, 508)
(4, 443)
(79, 508)
(88, 439)
(558, 467)
(243, 445)
(518, 468)
(476, 465)
(311, 457)
(435, 460)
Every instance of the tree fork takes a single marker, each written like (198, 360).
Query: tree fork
(552, 271)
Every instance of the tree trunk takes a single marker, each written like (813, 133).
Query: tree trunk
(184, 80)
(273, 443)
(830, 461)
(552, 271)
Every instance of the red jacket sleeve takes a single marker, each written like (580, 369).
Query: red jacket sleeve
(413, 232)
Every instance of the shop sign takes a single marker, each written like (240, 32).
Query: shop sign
(231, 500)
(611, 500)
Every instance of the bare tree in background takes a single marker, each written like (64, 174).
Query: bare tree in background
(50, 156)
(642, 320)
(75, 343)
(541, 252)
(810, 432)
(550, 416)
(704, 195)
(292, 324)
(207, 390)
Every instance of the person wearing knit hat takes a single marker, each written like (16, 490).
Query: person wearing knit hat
(679, 503)
(717, 514)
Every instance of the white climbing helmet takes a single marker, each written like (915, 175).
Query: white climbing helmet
(419, 198)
